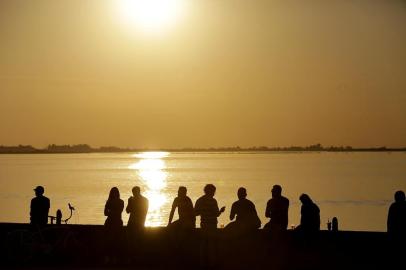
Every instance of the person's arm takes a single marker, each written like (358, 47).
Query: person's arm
(145, 208)
(389, 221)
(221, 210)
(268, 210)
(121, 206)
(197, 208)
(128, 208)
(232, 212)
(31, 210)
(48, 206)
(174, 205)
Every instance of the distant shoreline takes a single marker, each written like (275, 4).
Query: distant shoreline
(86, 149)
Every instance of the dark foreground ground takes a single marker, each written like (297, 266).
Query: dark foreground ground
(88, 247)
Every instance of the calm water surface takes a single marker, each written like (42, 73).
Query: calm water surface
(356, 187)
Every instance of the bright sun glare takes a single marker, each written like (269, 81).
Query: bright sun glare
(151, 15)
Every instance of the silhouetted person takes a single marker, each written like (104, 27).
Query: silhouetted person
(245, 213)
(187, 218)
(310, 215)
(113, 224)
(39, 208)
(207, 208)
(334, 224)
(397, 217)
(277, 210)
(113, 209)
(137, 207)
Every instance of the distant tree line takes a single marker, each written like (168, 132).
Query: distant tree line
(85, 148)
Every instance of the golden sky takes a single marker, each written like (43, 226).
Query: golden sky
(225, 73)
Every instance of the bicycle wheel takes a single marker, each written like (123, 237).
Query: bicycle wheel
(18, 246)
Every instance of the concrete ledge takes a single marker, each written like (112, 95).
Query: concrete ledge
(160, 248)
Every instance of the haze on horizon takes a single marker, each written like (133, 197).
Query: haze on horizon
(229, 72)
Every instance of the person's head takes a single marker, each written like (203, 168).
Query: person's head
(39, 191)
(399, 196)
(210, 190)
(304, 198)
(136, 191)
(182, 191)
(276, 191)
(114, 193)
(242, 193)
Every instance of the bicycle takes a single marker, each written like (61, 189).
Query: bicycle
(58, 217)
(45, 244)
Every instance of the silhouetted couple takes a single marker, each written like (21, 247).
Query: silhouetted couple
(277, 210)
(137, 207)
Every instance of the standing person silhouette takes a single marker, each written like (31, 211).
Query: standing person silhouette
(39, 207)
(113, 208)
(396, 223)
(187, 218)
(277, 210)
(207, 208)
(137, 207)
(245, 213)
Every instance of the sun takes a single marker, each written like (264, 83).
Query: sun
(151, 16)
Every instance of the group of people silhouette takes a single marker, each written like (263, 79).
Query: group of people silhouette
(243, 211)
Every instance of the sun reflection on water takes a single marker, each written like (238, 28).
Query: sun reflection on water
(151, 169)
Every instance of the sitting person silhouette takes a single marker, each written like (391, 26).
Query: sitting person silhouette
(137, 207)
(39, 207)
(277, 210)
(310, 215)
(187, 218)
(396, 223)
(207, 208)
(245, 213)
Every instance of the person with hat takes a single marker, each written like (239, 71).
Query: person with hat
(39, 207)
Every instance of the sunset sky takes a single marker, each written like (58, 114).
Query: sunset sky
(209, 73)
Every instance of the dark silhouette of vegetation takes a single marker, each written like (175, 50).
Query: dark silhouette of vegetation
(85, 148)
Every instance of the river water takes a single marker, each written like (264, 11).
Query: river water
(357, 188)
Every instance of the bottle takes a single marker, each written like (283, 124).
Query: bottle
(335, 224)
(328, 225)
(58, 217)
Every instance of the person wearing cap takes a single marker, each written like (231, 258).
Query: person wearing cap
(39, 207)
(277, 210)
